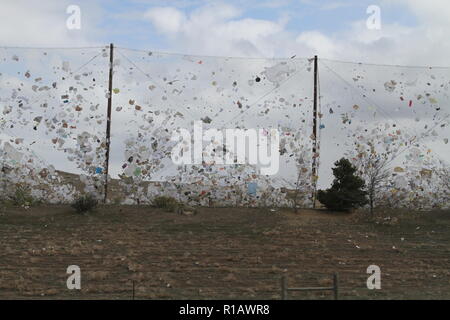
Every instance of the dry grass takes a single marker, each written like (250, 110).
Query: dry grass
(220, 253)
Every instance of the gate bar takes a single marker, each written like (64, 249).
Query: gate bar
(334, 288)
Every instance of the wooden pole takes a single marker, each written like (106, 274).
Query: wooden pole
(336, 286)
(283, 288)
(314, 149)
(108, 119)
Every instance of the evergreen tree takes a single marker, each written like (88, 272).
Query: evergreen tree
(346, 191)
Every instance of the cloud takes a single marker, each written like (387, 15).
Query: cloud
(335, 5)
(215, 29)
(431, 13)
(229, 29)
(317, 42)
(222, 29)
(43, 23)
(167, 20)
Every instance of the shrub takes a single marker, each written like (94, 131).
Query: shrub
(169, 204)
(22, 197)
(85, 203)
(346, 191)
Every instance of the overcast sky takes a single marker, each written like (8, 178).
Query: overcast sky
(412, 31)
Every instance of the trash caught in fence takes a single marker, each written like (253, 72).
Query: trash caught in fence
(53, 121)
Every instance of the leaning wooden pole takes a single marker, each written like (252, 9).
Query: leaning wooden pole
(314, 135)
(108, 119)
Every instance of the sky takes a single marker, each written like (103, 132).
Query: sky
(411, 31)
(407, 33)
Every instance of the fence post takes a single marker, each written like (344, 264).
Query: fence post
(283, 287)
(336, 286)
(108, 119)
(314, 149)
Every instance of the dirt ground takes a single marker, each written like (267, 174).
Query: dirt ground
(220, 253)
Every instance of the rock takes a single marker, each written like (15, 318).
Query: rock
(187, 211)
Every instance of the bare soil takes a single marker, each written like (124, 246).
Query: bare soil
(219, 253)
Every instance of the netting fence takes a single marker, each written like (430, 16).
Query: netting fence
(53, 105)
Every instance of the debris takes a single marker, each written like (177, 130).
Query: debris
(390, 85)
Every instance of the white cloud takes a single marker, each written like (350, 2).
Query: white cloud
(43, 23)
(216, 29)
(431, 13)
(317, 42)
(220, 29)
(335, 5)
(166, 20)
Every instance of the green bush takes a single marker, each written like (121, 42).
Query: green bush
(22, 197)
(169, 204)
(346, 191)
(85, 203)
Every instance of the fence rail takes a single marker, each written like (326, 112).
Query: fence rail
(285, 289)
